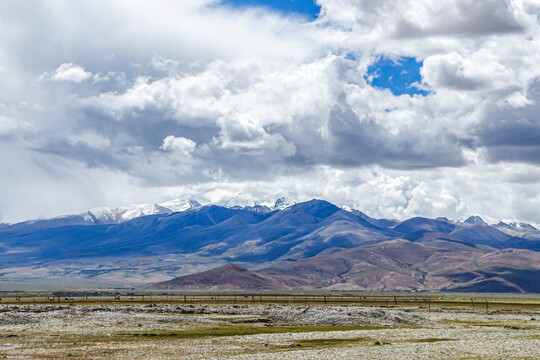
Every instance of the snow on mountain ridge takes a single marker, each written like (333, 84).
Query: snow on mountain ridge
(238, 202)
(178, 205)
(109, 215)
(519, 225)
(135, 211)
(121, 214)
(282, 203)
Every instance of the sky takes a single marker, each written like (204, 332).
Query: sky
(396, 108)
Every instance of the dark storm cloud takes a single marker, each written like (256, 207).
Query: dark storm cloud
(357, 143)
(146, 128)
(512, 134)
(467, 18)
(527, 154)
(410, 19)
(84, 153)
(448, 76)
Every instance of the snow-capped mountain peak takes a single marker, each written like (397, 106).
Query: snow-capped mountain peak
(522, 225)
(263, 207)
(121, 214)
(282, 203)
(104, 215)
(134, 211)
(178, 205)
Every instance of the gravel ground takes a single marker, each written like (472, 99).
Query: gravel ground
(188, 331)
(410, 344)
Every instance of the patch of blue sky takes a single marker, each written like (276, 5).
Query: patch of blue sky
(400, 76)
(306, 8)
(351, 56)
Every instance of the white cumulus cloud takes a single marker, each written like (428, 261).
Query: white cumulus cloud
(178, 143)
(70, 72)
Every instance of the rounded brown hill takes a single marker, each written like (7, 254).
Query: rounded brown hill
(227, 277)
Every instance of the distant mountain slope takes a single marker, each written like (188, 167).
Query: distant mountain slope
(475, 220)
(390, 265)
(305, 229)
(424, 224)
(480, 233)
(430, 264)
(187, 231)
(385, 223)
(293, 238)
(508, 270)
(491, 236)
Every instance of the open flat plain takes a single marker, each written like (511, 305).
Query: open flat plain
(266, 331)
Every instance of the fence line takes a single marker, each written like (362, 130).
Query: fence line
(426, 302)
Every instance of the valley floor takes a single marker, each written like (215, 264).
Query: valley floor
(264, 332)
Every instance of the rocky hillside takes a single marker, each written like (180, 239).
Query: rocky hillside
(433, 262)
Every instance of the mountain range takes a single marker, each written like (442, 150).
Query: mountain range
(280, 246)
